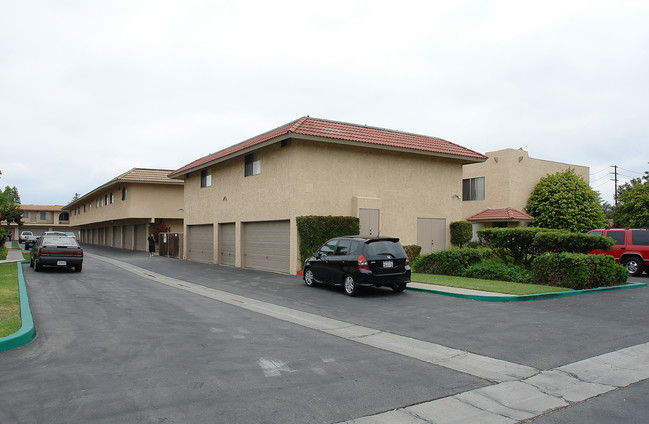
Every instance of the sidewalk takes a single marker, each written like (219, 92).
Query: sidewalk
(13, 255)
(454, 290)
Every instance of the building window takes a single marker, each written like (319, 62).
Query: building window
(206, 178)
(124, 193)
(253, 164)
(473, 189)
(112, 198)
(26, 214)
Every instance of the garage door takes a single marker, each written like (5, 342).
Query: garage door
(226, 244)
(127, 242)
(266, 246)
(140, 237)
(117, 236)
(200, 243)
(109, 236)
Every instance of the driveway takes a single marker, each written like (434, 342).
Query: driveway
(139, 339)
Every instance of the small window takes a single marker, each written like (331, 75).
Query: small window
(596, 233)
(206, 178)
(344, 246)
(618, 236)
(328, 248)
(253, 164)
(112, 198)
(473, 188)
(26, 214)
(640, 237)
(124, 193)
(43, 216)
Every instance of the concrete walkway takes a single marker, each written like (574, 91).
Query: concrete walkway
(13, 255)
(456, 290)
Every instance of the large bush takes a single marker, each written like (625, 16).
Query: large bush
(513, 245)
(578, 271)
(315, 230)
(452, 261)
(571, 242)
(500, 271)
(461, 232)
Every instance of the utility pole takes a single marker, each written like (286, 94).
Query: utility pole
(615, 176)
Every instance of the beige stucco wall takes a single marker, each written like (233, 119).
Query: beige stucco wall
(316, 178)
(142, 201)
(510, 177)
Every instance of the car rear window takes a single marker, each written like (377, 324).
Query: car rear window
(640, 237)
(385, 248)
(59, 241)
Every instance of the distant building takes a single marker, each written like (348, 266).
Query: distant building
(495, 192)
(41, 218)
(122, 212)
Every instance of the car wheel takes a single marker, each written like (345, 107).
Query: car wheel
(37, 266)
(309, 279)
(398, 288)
(77, 268)
(634, 266)
(351, 289)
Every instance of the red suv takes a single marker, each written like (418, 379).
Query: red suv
(631, 247)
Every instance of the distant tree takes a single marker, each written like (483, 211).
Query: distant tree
(632, 208)
(565, 201)
(75, 197)
(10, 210)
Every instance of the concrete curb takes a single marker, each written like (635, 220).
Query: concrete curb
(529, 297)
(27, 331)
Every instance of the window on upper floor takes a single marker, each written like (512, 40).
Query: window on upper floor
(473, 188)
(253, 164)
(112, 198)
(124, 193)
(26, 214)
(206, 178)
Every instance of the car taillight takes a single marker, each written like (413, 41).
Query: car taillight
(362, 262)
(407, 261)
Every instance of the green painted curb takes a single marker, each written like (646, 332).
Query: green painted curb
(27, 331)
(529, 297)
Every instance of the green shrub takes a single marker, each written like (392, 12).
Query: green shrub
(412, 250)
(315, 230)
(461, 232)
(3, 237)
(477, 244)
(492, 270)
(513, 245)
(452, 261)
(578, 271)
(552, 241)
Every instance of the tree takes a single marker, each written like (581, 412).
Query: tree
(10, 210)
(632, 208)
(565, 201)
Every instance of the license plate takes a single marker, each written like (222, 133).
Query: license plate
(61, 263)
(388, 264)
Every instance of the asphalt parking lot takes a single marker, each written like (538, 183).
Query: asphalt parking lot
(117, 346)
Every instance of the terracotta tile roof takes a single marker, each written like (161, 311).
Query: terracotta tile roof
(505, 214)
(322, 128)
(41, 208)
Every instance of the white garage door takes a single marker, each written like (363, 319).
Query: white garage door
(267, 245)
(127, 243)
(227, 244)
(117, 236)
(200, 243)
(140, 237)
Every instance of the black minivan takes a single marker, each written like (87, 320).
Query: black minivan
(355, 261)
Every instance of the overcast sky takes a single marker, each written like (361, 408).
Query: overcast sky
(91, 89)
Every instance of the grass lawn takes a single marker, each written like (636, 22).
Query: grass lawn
(504, 287)
(9, 300)
(15, 245)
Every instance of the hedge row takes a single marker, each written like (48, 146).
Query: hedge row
(412, 251)
(315, 230)
(578, 271)
(452, 261)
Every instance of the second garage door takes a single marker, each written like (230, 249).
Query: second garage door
(200, 243)
(227, 244)
(267, 245)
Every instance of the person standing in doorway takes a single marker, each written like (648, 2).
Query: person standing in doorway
(151, 245)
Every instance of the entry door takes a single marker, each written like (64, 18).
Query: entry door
(369, 222)
(431, 234)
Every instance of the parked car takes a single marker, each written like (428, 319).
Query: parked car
(24, 235)
(56, 250)
(631, 247)
(31, 241)
(354, 262)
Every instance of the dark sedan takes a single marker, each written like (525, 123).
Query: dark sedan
(354, 262)
(56, 250)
